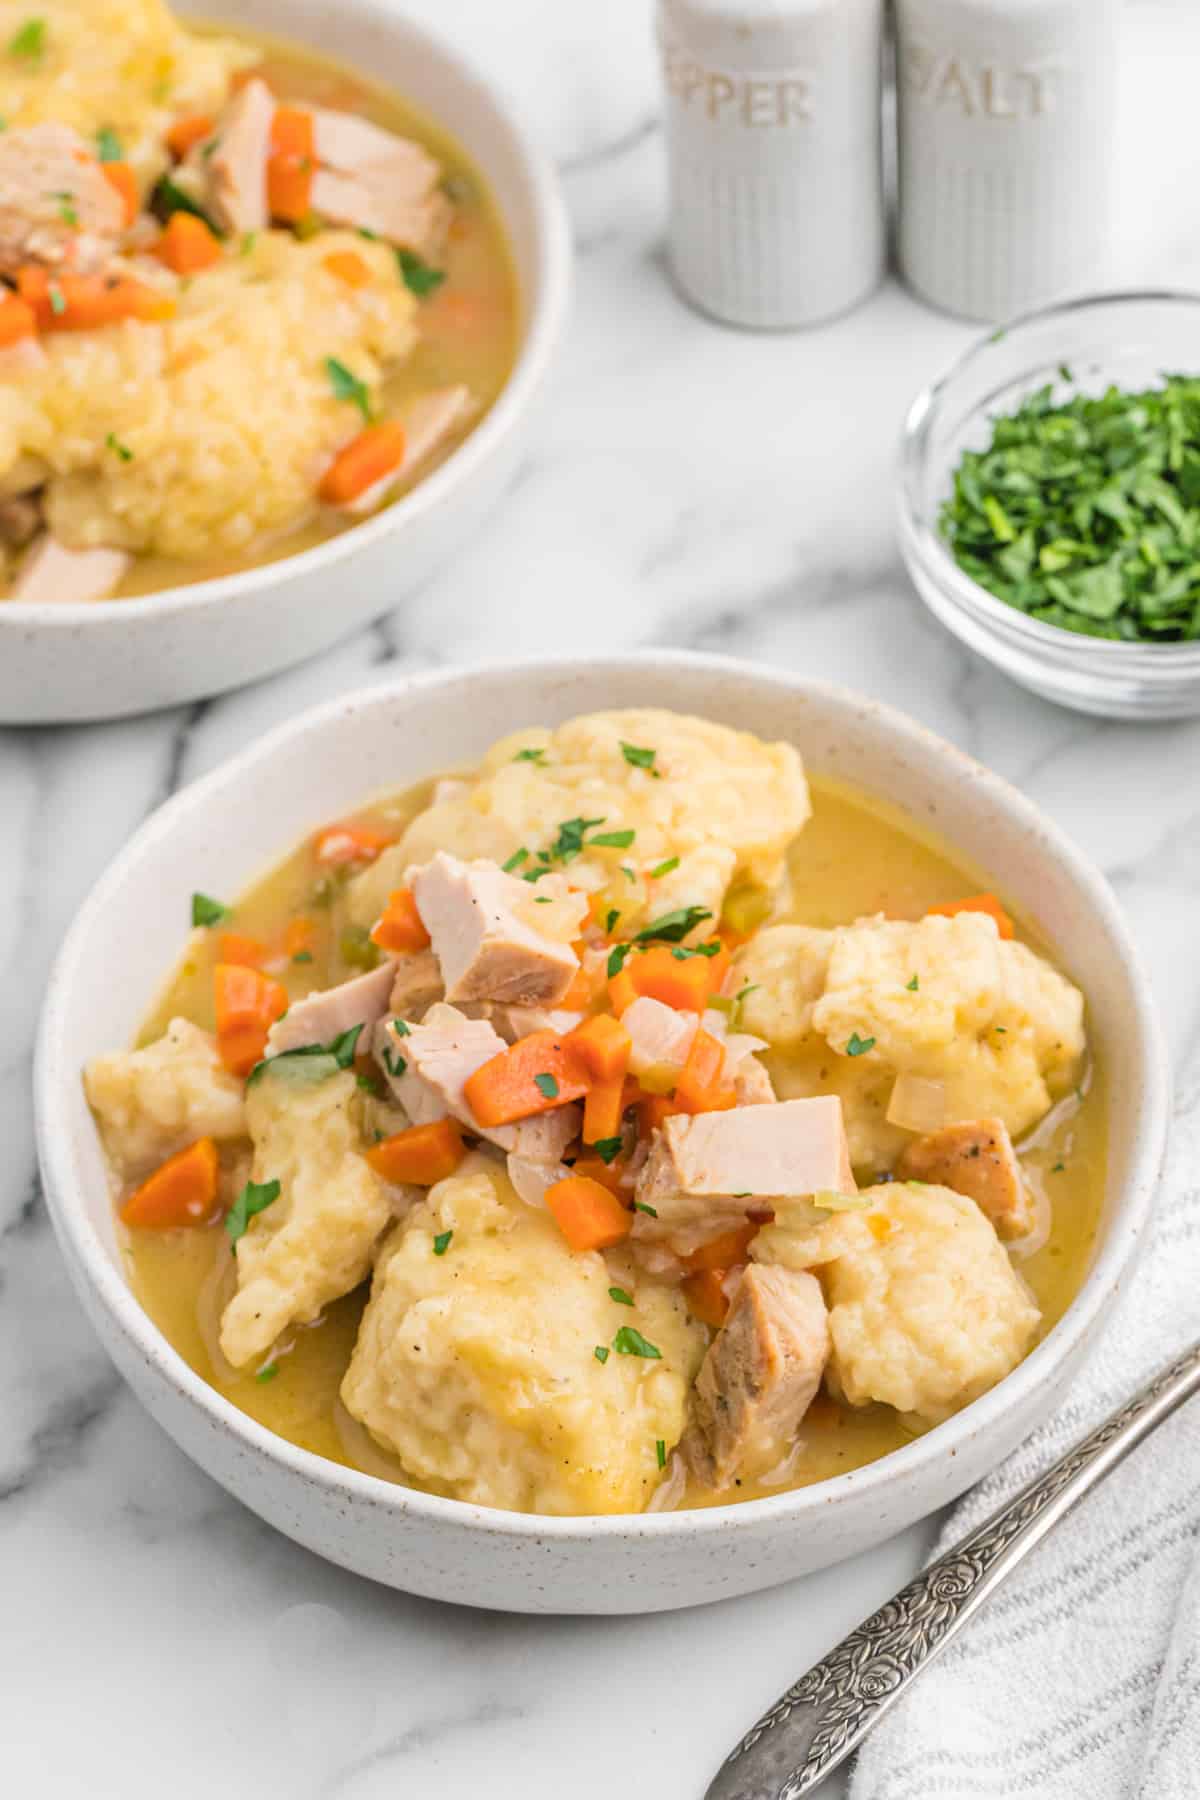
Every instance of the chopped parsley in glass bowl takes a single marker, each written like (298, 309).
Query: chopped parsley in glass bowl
(1049, 503)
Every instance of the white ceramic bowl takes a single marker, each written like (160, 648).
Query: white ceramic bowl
(116, 657)
(223, 831)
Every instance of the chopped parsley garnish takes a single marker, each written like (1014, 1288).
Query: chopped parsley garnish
(118, 448)
(611, 918)
(347, 386)
(168, 197)
(858, 1046)
(268, 1372)
(254, 1198)
(913, 985)
(1058, 1168)
(638, 757)
(58, 304)
(608, 1149)
(249, 239)
(303, 956)
(542, 899)
(370, 1084)
(108, 145)
(569, 842)
(630, 1342)
(29, 40)
(673, 927)
(709, 949)
(612, 840)
(640, 1206)
(515, 861)
(392, 1062)
(206, 910)
(441, 1242)
(530, 756)
(616, 959)
(309, 1063)
(664, 868)
(400, 1028)
(620, 1296)
(660, 1451)
(601, 1353)
(419, 278)
(67, 210)
(1000, 1028)
(547, 1086)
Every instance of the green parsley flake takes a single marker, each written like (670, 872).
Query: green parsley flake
(168, 197)
(419, 278)
(58, 304)
(254, 1198)
(400, 1028)
(536, 756)
(640, 1206)
(630, 1342)
(858, 1046)
(616, 959)
(118, 448)
(347, 386)
(303, 956)
(673, 927)
(664, 868)
(310, 1063)
(29, 40)
(268, 1372)
(206, 910)
(67, 210)
(611, 918)
(108, 145)
(660, 1451)
(515, 861)
(612, 840)
(249, 240)
(547, 1086)
(608, 1149)
(637, 757)
(441, 1242)
(620, 1296)
(601, 1353)
(394, 1064)
(912, 985)
(1058, 1168)
(569, 842)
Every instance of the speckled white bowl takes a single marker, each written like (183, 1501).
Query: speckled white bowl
(115, 657)
(223, 831)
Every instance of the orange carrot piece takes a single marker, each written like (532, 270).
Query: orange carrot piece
(603, 1109)
(722, 1252)
(181, 1191)
(187, 245)
(348, 266)
(621, 991)
(247, 1005)
(652, 1110)
(602, 1045)
(83, 302)
(686, 983)
(346, 842)
(534, 1075)
(705, 1296)
(596, 1169)
(581, 993)
(401, 928)
(17, 320)
(299, 936)
(120, 176)
(978, 903)
(700, 1088)
(185, 133)
(366, 459)
(423, 1154)
(249, 952)
(589, 1217)
(290, 165)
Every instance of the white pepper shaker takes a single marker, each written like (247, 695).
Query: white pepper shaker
(774, 152)
(1006, 119)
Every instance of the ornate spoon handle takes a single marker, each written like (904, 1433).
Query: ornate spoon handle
(823, 1718)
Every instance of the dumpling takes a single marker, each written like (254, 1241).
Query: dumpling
(314, 1242)
(925, 1309)
(477, 1366)
(722, 801)
(946, 999)
(152, 1102)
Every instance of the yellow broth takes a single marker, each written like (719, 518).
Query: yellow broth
(469, 327)
(853, 858)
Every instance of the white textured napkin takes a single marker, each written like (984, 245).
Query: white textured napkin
(1080, 1679)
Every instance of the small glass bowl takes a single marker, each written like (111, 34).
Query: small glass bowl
(1127, 340)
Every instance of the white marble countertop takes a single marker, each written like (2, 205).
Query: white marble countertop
(691, 486)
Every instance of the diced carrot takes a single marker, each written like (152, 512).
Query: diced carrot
(621, 991)
(533, 1075)
(290, 165)
(603, 1109)
(185, 133)
(17, 320)
(366, 459)
(706, 1297)
(589, 1217)
(596, 1169)
(348, 266)
(401, 928)
(250, 952)
(347, 842)
(582, 991)
(700, 1088)
(83, 302)
(423, 1154)
(187, 245)
(686, 983)
(602, 1045)
(722, 1252)
(980, 903)
(181, 1191)
(120, 176)
(299, 936)
(652, 1110)
(247, 1005)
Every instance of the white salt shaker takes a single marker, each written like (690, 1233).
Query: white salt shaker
(1006, 118)
(773, 145)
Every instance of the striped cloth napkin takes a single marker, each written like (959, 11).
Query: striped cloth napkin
(1080, 1679)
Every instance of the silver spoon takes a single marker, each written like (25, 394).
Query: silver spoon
(823, 1718)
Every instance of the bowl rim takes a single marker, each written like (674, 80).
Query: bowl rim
(923, 546)
(545, 296)
(56, 1074)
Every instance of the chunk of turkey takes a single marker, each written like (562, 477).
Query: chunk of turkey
(485, 950)
(52, 575)
(227, 172)
(321, 1017)
(975, 1158)
(57, 207)
(417, 984)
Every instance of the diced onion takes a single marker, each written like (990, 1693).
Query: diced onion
(669, 1492)
(531, 1179)
(917, 1104)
